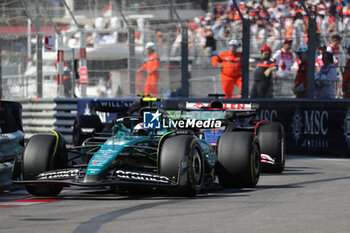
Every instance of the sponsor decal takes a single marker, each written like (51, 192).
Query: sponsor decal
(141, 176)
(297, 126)
(103, 108)
(83, 75)
(114, 104)
(50, 43)
(269, 115)
(58, 174)
(310, 125)
(199, 115)
(242, 107)
(87, 111)
(314, 122)
(103, 116)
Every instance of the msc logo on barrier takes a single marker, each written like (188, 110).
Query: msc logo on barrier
(152, 120)
(311, 127)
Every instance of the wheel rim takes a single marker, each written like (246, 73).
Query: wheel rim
(197, 166)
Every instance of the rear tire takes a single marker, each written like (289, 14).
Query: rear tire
(238, 160)
(38, 157)
(82, 121)
(182, 153)
(272, 142)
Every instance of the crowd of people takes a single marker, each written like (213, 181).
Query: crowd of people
(272, 21)
(279, 29)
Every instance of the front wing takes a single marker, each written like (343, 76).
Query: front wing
(77, 176)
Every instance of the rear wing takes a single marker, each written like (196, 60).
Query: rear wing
(228, 110)
(225, 106)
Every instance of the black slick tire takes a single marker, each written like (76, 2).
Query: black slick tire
(238, 160)
(272, 142)
(181, 159)
(40, 156)
(82, 121)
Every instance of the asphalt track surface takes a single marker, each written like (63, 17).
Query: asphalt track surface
(312, 195)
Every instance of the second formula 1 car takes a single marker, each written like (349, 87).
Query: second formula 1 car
(270, 134)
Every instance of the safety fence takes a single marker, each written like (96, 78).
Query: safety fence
(108, 31)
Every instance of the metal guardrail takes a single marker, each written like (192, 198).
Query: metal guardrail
(43, 115)
(10, 147)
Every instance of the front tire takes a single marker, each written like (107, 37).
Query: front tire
(40, 155)
(181, 158)
(238, 160)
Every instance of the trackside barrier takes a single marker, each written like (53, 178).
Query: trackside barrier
(320, 127)
(65, 113)
(43, 115)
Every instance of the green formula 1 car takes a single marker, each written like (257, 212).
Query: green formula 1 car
(148, 149)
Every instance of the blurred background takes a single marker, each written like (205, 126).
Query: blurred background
(93, 48)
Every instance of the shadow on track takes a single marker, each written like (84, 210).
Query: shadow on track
(94, 224)
(302, 184)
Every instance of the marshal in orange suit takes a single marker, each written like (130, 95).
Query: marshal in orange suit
(231, 68)
(151, 66)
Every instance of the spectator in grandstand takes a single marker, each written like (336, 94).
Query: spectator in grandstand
(334, 49)
(326, 78)
(284, 59)
(323, 21)
(274, 35)
(210, 42)
(175, 48)
(318, 60)
(337, 56)
(231, 67)
(151, 66)
(263, 74)
(262, 33)
(346, 74)
(300, 80)
(299, 29)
